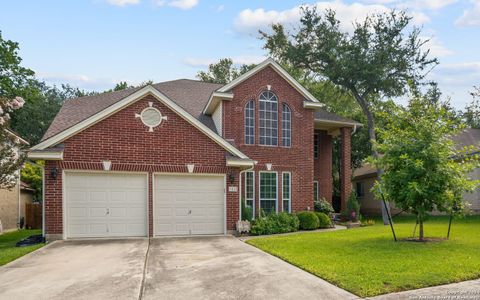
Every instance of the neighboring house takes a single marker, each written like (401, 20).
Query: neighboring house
(12, 201)
(176, 158)
(365, 176)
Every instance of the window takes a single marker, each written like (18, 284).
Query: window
(250, 123)
(268, 192)
(250, 188)
(286, 188)
(315, 145)
(315, 190)
(360, 190)
(268, 119)
(286, 126)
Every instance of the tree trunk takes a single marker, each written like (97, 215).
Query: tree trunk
(420, 234)
(372, 136)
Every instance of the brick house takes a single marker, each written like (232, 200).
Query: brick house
(176, 158)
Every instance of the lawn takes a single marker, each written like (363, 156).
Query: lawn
(8, 251)
(367, 262)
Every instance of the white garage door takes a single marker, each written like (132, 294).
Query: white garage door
(189, 205)
(105, 205)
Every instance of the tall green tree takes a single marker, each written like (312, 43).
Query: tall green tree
(223, 71)
(423, 170)
(378, 59)
(471, 115)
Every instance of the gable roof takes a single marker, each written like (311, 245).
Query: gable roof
(189, 94)
(140, 93)
(269, 62)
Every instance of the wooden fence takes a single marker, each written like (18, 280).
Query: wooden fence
(33, 215)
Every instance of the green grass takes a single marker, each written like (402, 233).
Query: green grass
(8, 251)
(367, 262)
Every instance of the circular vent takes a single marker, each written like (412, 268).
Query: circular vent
(151, 117)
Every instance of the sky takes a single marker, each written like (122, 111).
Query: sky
(94, 44)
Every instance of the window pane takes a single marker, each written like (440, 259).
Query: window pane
(286, 126)
(268, 192)
(268, 119)
(250, 123)
(315, 190)
(286, 193)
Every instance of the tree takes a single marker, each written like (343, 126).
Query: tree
(32, 174)
(378, 59)
(223, 71)
(11, 154)
(423, 170)
(471, 115)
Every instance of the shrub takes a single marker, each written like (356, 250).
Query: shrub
(368, 222)
(308, 220)
(247, 212)
(275, 223)
(324, 220)
(353, 207)
(323, 206)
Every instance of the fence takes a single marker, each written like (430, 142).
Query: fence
(33, 215)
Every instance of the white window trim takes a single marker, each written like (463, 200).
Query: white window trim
(289, 191)
(318, 189)
(245, 119)
(260, 100)
(260, 188)
(291, 122)
(253, 199)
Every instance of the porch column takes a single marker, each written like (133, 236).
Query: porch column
(345, 166)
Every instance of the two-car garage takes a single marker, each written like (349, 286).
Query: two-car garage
(99, 205)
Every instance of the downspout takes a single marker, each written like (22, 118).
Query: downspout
(354, 129)
(19, 187)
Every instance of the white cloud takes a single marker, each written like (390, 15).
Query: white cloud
(220, 8)
(182, 4)
(251, 20)
(82, 81)
(436, 47)
(123, 2)
(470, 17)
(238, 60)
(414, 4)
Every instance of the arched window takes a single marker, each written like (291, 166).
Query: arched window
(286, 126)
(268, 119)
(250, 123)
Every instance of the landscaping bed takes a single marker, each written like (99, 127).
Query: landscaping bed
(8, 250)
(367, 262)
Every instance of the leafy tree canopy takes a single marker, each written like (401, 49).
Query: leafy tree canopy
(223, 71)
(423, 169)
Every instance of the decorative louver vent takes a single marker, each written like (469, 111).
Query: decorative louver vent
(151, 117)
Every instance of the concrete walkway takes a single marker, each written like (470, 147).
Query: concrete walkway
(466, 290)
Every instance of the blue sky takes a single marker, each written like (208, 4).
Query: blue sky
(95, 43)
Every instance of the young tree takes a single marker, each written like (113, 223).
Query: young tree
(11, 155)
(378, 59)
(223, 71)
(423, 170)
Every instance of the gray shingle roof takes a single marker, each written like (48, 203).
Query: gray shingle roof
(191, 95)
(328, 116)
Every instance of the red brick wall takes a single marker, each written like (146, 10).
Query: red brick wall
(345, 165)
(298, 159)
(126, 142)
(323, 165)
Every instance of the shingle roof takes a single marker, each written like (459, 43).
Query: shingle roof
(325, 115)
(191, 95)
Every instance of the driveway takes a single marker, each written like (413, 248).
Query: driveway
(176, 268)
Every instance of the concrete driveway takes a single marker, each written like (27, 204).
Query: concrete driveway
(175, 268)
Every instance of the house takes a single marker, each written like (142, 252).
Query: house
(177, 157)
(364, 178)
(12, 201)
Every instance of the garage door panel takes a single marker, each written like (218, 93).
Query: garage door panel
(103, 205)
(186, 204)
